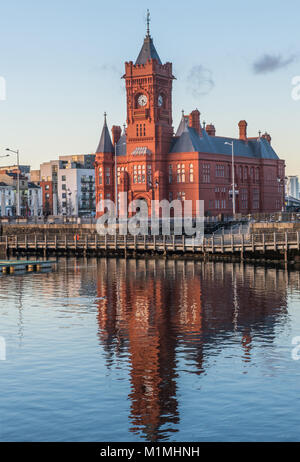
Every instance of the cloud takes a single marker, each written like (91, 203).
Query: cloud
(271, 63)
(112, 72)
(199, 81)
(110, 69)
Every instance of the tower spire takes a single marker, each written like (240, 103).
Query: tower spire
(105, 144)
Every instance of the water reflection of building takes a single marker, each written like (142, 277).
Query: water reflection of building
(159, 310)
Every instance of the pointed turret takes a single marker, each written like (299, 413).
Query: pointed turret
(148, 50)
(105, 145)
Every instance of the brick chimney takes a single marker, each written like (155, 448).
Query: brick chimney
(267, 137)
(243, 130)
(116, 134)
(194, 120)
(210, 130)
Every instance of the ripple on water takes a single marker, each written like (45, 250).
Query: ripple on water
(152, 350)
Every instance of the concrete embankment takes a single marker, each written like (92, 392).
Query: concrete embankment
(47, 229)
(274, 227)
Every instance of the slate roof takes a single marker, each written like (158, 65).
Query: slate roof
(105, 144)
(32, 185)
(147, 52)
(188, 140)
(121, 145)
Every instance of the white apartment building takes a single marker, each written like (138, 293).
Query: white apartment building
(7, 200)
(293, 186)
(76, 191)
(35, 200)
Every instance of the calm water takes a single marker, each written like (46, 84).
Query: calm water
(115, 350)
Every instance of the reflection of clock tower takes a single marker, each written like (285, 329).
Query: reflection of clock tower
(149, 106)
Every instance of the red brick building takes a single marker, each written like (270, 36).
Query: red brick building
(194, 163)
(47, 189)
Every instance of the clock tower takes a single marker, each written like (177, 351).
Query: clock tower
(149, 103)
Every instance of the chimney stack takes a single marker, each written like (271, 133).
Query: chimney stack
(194, 121)
(116, 133)
(243, 130)
(210, 130)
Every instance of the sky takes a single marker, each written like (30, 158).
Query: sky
(61, 64)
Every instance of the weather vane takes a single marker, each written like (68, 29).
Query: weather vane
(148, 23)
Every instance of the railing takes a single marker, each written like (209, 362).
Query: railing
(214, 244)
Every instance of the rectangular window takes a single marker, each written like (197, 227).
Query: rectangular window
(244, 198)
(206, 173)
(100, 176)
(149, 174)
(255, 198)
(170, 174)
(220, 170)
(178, 174)
(107, 175)
(181, 195)
(191, 174)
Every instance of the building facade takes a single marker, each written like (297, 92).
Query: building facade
(35, 200)
(293, 186)
(30, 196)
(153, 163)
(7, 199)
(68, 185)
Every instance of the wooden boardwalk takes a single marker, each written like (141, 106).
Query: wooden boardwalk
(13, 266)
(94, 244)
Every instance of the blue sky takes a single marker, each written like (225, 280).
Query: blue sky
(62, 62)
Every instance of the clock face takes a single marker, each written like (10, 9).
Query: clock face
(142, 100)
(160, 100)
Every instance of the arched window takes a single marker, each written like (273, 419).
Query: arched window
(178, 173)
(182, 173)
(100, 175)
(191, 173)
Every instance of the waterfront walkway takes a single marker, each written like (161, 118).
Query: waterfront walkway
(241, 244)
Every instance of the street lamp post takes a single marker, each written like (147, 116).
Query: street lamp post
(116, 181)
(233, 179)
(2, 195)
(18, 179)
